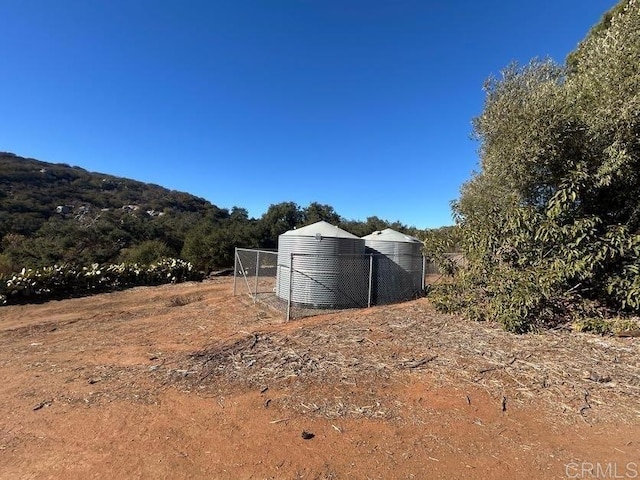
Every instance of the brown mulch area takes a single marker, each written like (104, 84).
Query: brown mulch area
(580, 377)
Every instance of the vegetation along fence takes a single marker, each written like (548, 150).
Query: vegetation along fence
(446, 263)
(303, 284)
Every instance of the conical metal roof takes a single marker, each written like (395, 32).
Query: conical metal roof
(390, 235)
(322, 228)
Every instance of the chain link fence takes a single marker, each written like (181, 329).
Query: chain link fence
(255, 272)
(300, 285)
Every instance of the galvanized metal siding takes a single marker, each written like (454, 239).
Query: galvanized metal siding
(328, 272)
(397, 272)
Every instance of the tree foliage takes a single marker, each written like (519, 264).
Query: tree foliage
(551, 222)
(316, 212)
(146, 253)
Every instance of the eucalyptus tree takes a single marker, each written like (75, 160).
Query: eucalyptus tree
(551, 221)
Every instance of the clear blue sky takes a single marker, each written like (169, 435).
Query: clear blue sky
(365, 105)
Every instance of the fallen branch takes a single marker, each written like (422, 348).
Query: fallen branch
(419, 363)
(280, 420)
(498, 367)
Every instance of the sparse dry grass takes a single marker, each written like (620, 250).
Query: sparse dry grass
(581, 377)
(182, 300)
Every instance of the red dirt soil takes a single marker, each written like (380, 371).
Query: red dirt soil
(93, 388)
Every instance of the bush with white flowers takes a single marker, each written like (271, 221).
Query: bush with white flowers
(63, 281)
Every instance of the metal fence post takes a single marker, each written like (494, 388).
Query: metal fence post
(255, 294)
(235, 269)
(370, 279)
(290, 287)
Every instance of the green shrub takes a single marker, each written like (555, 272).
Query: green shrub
(550, 225)
(63, 281)
(146, 252)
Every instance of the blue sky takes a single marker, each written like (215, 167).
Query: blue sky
(365, 105)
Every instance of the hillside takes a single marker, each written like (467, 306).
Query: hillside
(58, 213)
(32, 191)
(55, 213)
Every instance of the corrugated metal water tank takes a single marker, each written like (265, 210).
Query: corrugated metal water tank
(329, 267)
(397, 266)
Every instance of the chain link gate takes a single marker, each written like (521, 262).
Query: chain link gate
(256, 269)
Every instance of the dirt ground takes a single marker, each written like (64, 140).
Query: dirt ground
(188, 381)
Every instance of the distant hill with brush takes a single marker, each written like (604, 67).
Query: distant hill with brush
(53, 213)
